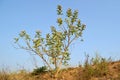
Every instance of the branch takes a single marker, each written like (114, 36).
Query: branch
(72, 40)
(29, 48)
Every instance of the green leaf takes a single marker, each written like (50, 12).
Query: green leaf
(69, 12)
(59, 21)
(22, 33)
(59, 10)
(16, 40)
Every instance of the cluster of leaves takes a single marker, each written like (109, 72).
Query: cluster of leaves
(55, 46)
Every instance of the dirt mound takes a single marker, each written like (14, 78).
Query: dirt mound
(102, 70)
(78, 73)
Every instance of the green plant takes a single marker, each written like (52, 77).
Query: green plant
(100, 66)
(88, 70)
(95, 67)
(54, 48)
(39, 70)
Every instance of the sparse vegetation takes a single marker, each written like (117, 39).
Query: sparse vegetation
(97, 68)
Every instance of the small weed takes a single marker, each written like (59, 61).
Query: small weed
(39, 70)
(87, 70)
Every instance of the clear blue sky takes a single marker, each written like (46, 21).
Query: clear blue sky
(102, 34)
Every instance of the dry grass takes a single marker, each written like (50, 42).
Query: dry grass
(95, 69)
(4, 75)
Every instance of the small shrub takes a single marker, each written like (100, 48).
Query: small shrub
(39, 70)
(87, 70)
(100, 66)
(96, 67)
